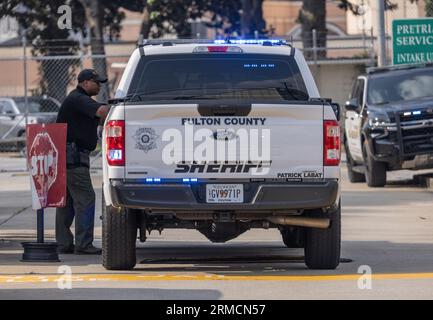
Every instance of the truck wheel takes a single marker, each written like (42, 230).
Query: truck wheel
(375, 172)
(322, 247)
(353, 176)
(293, 237)
(119, 235)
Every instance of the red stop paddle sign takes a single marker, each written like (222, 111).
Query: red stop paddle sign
(46, 157)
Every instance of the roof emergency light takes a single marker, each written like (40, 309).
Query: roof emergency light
(252, 41)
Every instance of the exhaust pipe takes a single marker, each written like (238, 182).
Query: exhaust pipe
(298, 221)
(320, 223)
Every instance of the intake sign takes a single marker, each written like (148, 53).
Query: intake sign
(412, 41)
(46, 159)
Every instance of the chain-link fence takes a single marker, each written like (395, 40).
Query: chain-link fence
(322, 48)
(33, 85)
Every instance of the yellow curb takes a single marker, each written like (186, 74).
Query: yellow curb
(202, 277)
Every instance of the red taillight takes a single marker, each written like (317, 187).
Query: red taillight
(224, 49)
(331, 143)
(115, 142)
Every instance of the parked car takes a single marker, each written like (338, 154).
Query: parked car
(389, 122)
(42, 109)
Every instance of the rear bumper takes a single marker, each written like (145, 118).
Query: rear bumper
(258, 196)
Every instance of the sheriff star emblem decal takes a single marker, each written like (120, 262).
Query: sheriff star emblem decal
(145, 139)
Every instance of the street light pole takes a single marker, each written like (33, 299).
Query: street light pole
(381, 61)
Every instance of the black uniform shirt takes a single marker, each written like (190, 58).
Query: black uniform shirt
(79, 112)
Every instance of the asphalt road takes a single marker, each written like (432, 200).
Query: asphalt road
(388, 231)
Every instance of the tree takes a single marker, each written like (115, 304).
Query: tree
(39, 20)
(94, 17)
(252, 18)
(104, 18)
(230, 17)
(224, 16)
(313, 17)
(429, 8)
(172, 16)
(145, 23)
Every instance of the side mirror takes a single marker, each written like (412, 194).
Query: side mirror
(10, 114)
(352, 104)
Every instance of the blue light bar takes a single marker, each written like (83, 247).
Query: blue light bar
(262, 65)
(185, 180)
(251, 41)
(416, 113)
(194, 180)
(152, 180)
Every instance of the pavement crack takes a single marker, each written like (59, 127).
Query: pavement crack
(14, 215)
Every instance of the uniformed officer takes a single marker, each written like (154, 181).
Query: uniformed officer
(83, 115)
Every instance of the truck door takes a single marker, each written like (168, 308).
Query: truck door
(353, 121)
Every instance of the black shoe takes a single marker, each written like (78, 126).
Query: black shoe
(89, 250)
(66, 250)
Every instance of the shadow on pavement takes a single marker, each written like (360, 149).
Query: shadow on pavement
(112, 293)
(249, 258)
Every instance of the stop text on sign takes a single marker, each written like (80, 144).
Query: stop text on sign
(40, 165)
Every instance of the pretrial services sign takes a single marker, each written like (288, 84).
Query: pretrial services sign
(46, 157)
(412, 40)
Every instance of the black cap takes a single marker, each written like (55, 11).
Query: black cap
(90, 74)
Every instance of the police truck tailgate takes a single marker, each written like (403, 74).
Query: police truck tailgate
(293, 133)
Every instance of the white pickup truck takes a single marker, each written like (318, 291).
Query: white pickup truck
(222, 137)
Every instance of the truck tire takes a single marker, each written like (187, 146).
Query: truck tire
(119, 235)
(353, 176)
(293, 237)
(322, 246)
(375, 172)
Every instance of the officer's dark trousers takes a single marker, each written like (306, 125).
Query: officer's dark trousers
(80, 203)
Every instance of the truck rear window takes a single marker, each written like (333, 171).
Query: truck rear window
(217, 76)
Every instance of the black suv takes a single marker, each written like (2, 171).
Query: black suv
(389, 122)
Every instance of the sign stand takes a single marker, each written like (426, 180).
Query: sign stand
(40, 251)
(46, 145)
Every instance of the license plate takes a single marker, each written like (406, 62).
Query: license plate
(224, 193)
